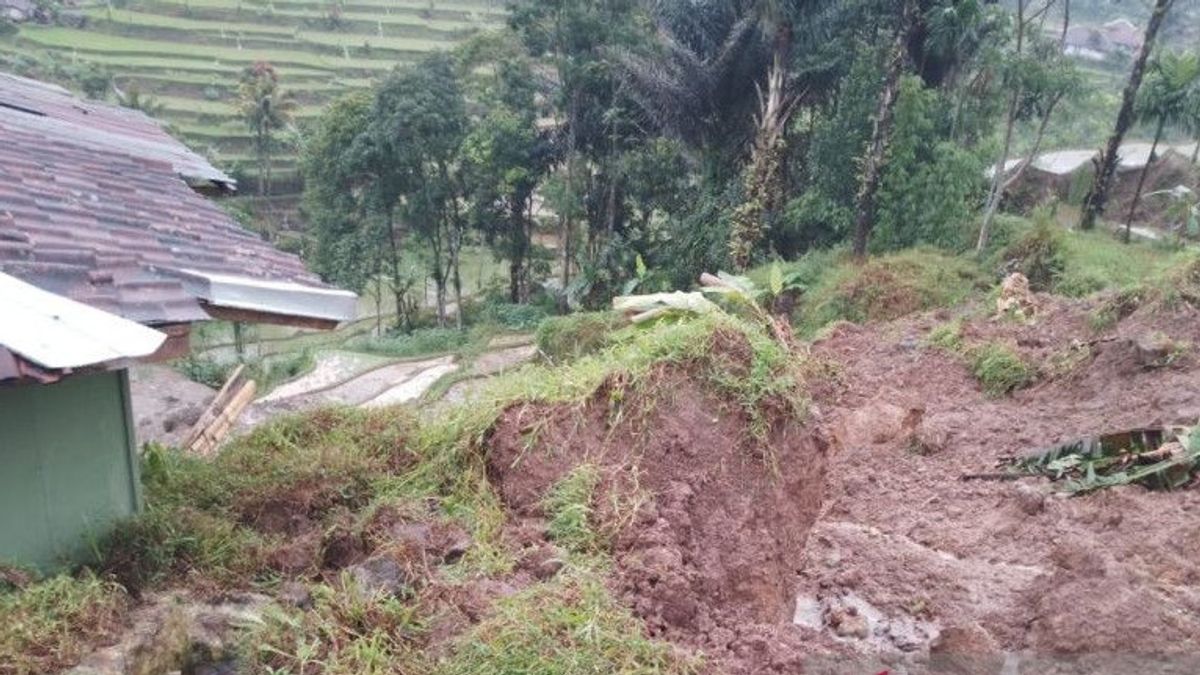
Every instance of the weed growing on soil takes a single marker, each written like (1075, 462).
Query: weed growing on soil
(347, 632)
(569, 625)
(947, 336)
(999, 369)
(569, 506)
(220, 519)
(1038, 254)
(49, 625)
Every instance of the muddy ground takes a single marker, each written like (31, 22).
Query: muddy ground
(868, 551)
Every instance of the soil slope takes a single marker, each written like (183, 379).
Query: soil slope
(911, 567)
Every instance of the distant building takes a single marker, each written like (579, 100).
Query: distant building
(108, 255)
(1097, 43)
(17, 10)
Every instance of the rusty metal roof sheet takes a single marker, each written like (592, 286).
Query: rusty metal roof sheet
(92, 207)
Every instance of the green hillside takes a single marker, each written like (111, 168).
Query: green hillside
(187, 55)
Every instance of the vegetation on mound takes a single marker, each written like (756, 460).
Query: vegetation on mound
(883, 288)
(284, 502)
(999, 369)
(565, 338)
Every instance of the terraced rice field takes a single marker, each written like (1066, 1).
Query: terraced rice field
(187, 54)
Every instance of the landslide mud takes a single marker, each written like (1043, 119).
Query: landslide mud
(707, 524)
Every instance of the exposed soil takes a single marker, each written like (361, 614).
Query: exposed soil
(165, 403)
(956, 576)
(895, 562)
(704, 533)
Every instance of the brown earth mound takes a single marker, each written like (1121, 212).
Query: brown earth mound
(706, 524)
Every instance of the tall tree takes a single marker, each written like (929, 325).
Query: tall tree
(1097, 197)
(1039, 77)
(873, 161)
(1166, 99)
(266, 110)
(505, 155)
(419, 123)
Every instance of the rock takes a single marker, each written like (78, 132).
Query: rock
(1031, 500)
(1153, 351)
(379, 576)
(848, 623)
(295, 594)
(173, 633)
(1016, 299)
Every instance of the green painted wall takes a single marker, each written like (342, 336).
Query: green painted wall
(67, 467)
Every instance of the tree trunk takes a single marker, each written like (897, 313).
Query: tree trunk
(1093, 205)
(996, 193)
(1137, 193)
(402, 318)
(881, 136)
(1196, 151)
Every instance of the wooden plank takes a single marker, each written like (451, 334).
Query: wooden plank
(206, 418)
(210, 439)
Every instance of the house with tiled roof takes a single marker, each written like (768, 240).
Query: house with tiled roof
(111, 249)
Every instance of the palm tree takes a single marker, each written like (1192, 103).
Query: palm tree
(266, 110)
(1097, 197)
(1166, 98)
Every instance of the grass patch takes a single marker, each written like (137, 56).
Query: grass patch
(999, 369)
(420, 342)
(885, 287)
(571, 625)
(347, 632)
(267, 373)
(565, 338)
(569, 506)
(50, 625)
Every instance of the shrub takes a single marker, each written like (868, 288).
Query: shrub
(569, 337)
(514, 317)
(999, 369)
(420, 342)
(1038, 254)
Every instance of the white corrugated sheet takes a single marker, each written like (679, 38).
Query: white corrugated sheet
(272, 297)
(58, 333)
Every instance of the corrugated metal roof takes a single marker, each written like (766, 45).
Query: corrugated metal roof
(60, 334)
(92, 207)
(273, 297)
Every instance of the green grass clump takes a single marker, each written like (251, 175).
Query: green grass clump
(569, 506)
(347, 632)
(567, 626)
(999, 369)
(947, 336)
(51, 624)
(564, 338)
(888, 287)
(202, 516)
